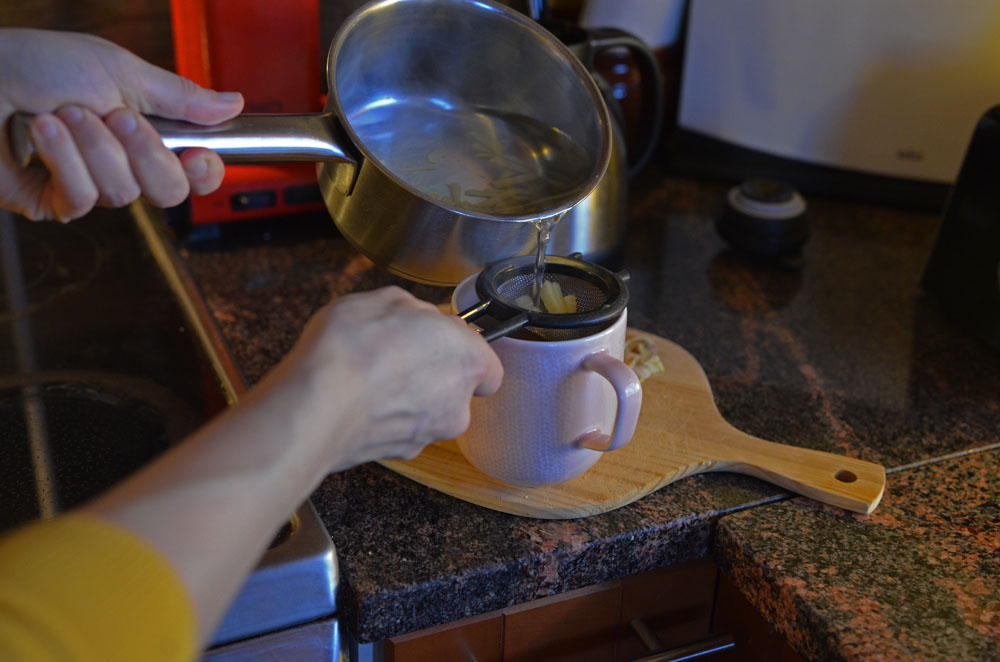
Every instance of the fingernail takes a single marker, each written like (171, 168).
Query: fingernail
(196, 167)
(45, 125)
(122, 122)
(70, 114)
(230, 96)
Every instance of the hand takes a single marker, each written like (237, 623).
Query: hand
(383, 374)
(89, 97)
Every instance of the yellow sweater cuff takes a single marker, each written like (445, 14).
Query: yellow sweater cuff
(80, 588)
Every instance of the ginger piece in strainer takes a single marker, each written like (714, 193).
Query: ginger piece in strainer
(555, 301)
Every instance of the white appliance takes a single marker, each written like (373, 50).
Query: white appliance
(884, 87)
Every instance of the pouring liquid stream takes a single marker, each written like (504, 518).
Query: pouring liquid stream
(544, 227)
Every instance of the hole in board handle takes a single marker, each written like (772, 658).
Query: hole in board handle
(845, 476)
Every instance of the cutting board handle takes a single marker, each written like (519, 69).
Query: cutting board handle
(841, 481)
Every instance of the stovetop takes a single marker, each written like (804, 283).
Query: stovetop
(97, 375)
(107, 357)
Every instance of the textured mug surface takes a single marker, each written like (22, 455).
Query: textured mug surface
(529, 432)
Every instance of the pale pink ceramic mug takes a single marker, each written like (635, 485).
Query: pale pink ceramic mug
(561, 406)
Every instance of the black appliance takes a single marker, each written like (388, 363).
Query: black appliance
(963, 272)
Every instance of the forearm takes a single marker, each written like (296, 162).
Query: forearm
(212, 504)
(376, 375)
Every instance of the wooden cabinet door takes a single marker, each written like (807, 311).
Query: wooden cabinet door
(679, 604)
(473, 639)
(675, 603)
(756, 640)
(573, 627)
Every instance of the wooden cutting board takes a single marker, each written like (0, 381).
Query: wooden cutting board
(680, 433)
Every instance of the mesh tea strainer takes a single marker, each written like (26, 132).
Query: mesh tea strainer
(601, 295)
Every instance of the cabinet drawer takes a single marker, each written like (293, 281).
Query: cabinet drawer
(675, 603)
(574, 627)
(755, 639)
(477, 638)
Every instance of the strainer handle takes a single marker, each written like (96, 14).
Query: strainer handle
(629, 392)
(500, 329)
(505, 327)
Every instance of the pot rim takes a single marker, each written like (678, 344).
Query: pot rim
(333, 104)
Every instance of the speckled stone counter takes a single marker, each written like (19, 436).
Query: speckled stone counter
(916, 580)
(846, 355)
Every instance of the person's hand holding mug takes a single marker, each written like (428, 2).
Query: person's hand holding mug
(88, 97)
(382, 374)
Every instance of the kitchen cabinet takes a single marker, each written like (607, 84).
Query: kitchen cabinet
(755, 638)
(590, 624)
(478, 638)
(674, 603)
(577, 627)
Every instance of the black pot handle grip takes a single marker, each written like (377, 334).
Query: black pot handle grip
(601, 39)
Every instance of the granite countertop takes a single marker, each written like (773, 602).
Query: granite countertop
(915, 580)
(846, 355)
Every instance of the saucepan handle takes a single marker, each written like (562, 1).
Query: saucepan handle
(629, 392)
(245, 138)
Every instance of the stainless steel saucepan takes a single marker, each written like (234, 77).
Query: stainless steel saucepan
(449, 126)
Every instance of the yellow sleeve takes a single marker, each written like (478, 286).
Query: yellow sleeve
(80, 588)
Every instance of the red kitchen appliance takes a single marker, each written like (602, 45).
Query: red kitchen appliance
(269, 51)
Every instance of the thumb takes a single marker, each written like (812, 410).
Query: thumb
(165, 94)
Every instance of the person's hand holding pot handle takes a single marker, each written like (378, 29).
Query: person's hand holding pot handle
(89, 97)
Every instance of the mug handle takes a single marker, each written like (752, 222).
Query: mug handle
(629, 392)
